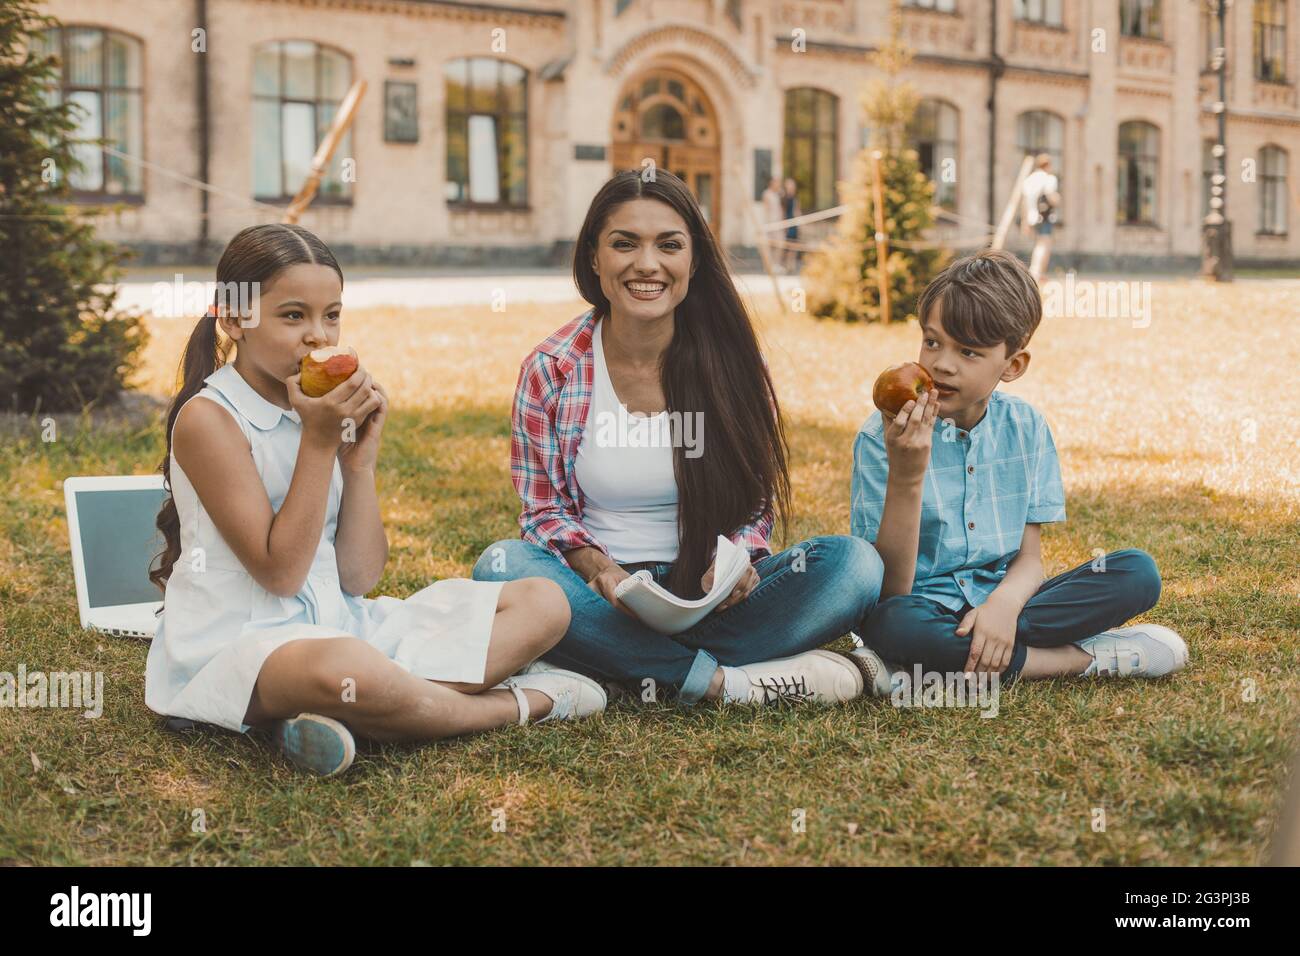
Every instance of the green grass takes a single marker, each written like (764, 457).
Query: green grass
(1186, 770)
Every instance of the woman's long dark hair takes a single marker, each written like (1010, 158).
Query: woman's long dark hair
(256, 255)
(713, 365)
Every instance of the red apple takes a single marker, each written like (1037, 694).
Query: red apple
(900, 384)
(323, 369)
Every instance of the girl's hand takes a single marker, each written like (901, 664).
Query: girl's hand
(909, 434)
(324, 418)
(748, 581)
(363, 453)
(604, 583)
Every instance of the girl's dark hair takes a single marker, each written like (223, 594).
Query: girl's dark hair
(256, 255)
(713, 365)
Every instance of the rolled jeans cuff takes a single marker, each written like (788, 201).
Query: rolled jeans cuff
(698, 678)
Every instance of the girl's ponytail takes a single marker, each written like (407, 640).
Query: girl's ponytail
(203, 356)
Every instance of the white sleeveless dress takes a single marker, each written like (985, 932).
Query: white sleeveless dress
(218, 625)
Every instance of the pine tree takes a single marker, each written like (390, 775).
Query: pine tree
(63, 342)
(842, 277)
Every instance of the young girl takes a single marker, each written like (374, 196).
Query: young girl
(273, 533)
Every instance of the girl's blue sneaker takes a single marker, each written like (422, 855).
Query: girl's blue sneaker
(319, 745)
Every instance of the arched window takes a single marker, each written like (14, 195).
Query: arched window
(933, 134)
(1039, 131)
(99, 72)
(812, 145)
(663, 121)
(1139, 173)
(1273, 194)
(297, 88)
(487, 132)
(1270, 40)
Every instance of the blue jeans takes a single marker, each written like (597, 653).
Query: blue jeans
(806, 596)
(910, 629)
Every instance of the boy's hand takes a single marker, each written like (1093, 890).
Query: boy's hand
(992, 627)
(909, 434)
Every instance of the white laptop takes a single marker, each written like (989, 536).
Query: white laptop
(111, 524)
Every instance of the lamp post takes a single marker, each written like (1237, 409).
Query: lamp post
(1216, 230)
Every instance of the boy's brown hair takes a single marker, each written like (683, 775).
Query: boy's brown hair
(984, 299)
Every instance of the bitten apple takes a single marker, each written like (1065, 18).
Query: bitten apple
(323, 369)
(900, 384)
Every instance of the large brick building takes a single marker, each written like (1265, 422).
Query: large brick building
(488, 126)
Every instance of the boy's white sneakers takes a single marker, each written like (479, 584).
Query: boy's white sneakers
(816, 677)
(878, 674)
(573, 694)
(1143, 650)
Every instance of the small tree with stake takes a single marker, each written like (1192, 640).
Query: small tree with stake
(843, 277)
(63, 343)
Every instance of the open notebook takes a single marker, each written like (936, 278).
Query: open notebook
(666, 612)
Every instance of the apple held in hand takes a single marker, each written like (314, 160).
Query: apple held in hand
(323, 369)
(900, 384)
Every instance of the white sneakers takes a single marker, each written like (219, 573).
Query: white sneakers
(816, 677)
(878, 674)
(573, 694)
(1143, 650)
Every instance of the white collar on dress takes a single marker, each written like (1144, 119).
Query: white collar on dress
(263, 414)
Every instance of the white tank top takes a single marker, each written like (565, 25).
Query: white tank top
(625, 470)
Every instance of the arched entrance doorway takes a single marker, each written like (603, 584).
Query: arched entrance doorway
(664, 115)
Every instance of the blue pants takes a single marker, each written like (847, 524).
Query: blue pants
(807, 596)
(909, 629)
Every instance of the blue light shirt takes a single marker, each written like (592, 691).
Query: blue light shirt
(980, 490)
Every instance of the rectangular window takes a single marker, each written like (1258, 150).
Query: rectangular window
(1140, 18)
(484, 173)
(1270, 41)
(1046, 12)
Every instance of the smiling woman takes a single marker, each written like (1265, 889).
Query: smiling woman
(667, 335)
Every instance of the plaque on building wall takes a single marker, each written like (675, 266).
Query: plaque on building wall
(401, 118)
(588, 151)
(762, 171)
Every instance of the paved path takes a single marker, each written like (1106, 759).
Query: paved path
(378, 287)
(407, 290)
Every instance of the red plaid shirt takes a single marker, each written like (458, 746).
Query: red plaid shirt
(552, 398)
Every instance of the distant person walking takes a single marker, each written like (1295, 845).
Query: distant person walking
(790, 209)
(1042, 200)
(773, 211)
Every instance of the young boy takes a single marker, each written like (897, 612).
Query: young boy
(952, 492)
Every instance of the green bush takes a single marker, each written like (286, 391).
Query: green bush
(842, 277)
(63, 342)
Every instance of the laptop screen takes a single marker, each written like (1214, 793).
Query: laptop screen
(118, 543)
